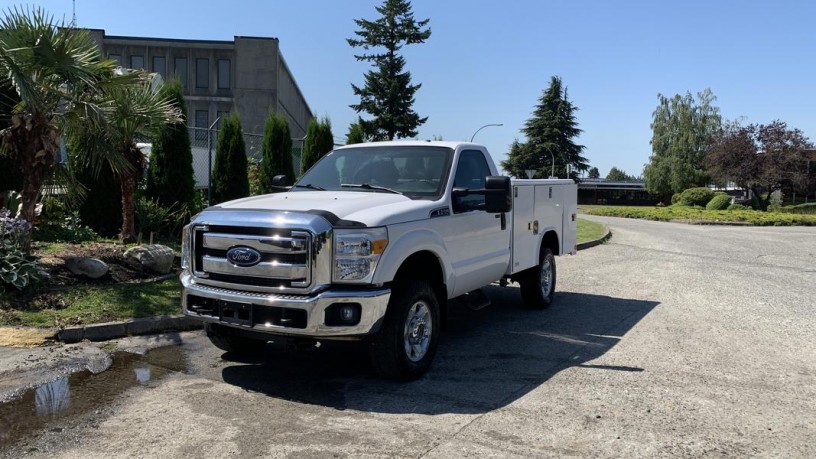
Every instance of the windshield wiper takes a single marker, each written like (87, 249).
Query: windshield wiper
(368, 186)
(309, 186)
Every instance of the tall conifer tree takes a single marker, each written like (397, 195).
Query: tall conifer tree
(230, 180)
(550, 135)
(388, 95)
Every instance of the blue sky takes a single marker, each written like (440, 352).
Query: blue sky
(489, 61)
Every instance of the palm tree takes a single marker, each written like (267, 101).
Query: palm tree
(57, 74)
(135, 110)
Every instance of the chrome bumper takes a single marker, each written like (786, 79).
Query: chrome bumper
(373, 305)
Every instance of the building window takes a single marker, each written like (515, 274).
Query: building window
(202, 73)
(223, 74)
(117, 58)
(137, 61)
(160, 65)
(202, 121)
(181, 70)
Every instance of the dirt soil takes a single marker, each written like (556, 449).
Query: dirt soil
(119, 269)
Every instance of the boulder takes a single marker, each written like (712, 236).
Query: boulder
(87, 266)
(155, 257)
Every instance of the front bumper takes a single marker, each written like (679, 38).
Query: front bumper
(284, 314)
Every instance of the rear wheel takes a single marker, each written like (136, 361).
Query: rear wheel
(241, 345)
(405, 346)
(538, 283)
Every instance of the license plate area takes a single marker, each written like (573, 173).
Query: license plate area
(236, 313)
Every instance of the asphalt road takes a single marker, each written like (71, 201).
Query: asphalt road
(670, 340)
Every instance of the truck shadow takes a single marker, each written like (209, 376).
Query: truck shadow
(486, 358)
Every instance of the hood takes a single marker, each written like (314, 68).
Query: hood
(370, 209)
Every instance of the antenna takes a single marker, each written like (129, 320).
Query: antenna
(73, 19)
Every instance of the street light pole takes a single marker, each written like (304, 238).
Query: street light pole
(486, 125)
(552, 171)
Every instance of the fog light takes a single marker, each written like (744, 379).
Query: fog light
(343, 314)
(347, 314)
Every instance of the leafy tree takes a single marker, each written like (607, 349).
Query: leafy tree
(230, 179)
(617, 175)
(594, 173)
(550, 135)
(57, 74)
(277, 151)
(355, 134)
(388, 94)
(319, 141)
(170, 177)
(761, 158)
(134, 110)
(681, 128)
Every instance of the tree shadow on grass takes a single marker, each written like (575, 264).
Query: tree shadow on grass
(486, 358)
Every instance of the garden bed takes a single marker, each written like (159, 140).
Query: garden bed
(66, 299)
(687, 214)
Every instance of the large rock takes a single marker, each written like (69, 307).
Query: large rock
(156, 257)
(87, 266)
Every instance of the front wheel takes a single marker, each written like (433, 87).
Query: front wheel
(538, 283)
(406, 343)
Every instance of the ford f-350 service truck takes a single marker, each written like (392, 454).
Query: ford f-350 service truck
(373, 243)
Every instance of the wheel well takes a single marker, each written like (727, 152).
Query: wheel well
(550, 241)
(425, 266)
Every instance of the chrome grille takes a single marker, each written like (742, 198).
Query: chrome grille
(285, 256)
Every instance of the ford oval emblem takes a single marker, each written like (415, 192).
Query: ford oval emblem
(243, 256)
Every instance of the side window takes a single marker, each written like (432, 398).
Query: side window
(470, 173)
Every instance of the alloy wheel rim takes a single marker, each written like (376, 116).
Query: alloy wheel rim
(418, 329)
(546, 277)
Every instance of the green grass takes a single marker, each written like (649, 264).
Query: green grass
(684, 213)
(86, 305)
(589, 231)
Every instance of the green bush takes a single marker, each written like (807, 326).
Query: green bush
(685, 213)
(698, 196)
(17, 268)
(153, 217)
(58, 223)
(719, 202)
(738, 207)
(801, 209)
(675, 198)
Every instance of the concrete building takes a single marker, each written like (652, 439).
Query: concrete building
(247, 75)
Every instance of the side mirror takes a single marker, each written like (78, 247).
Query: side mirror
(498, 194)
(280, 180)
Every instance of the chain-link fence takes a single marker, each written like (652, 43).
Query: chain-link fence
(203, 142)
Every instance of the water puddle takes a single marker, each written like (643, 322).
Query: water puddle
(82, 392)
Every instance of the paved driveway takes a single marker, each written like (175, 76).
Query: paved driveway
(670, 340)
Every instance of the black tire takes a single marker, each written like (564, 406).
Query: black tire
(413, 305)
(236, 344)
(537, 287)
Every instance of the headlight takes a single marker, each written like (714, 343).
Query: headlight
(356, 253)
(185, 247)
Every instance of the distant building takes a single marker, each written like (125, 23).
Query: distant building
(247, 75)
(604, 192)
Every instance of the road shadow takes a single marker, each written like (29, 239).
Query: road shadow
(486, 358)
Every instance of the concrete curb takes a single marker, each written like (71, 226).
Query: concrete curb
(588, 244)
(112, 330)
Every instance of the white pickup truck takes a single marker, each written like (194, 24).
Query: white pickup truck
(373, 243)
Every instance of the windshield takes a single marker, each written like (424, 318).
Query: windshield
(418, 172)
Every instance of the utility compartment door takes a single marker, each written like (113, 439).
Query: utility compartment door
(524, 238)
(549, 208)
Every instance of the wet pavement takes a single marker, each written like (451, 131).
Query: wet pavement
(78, 394)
